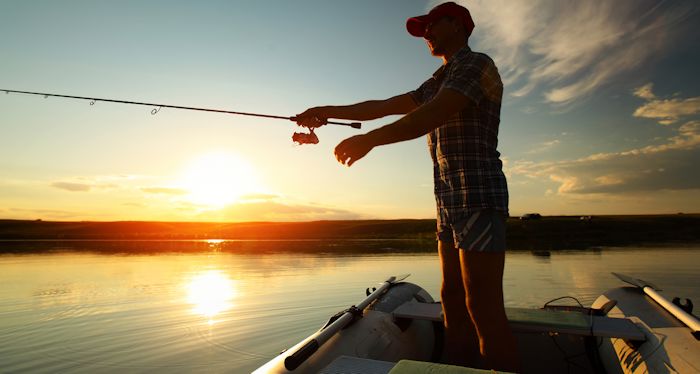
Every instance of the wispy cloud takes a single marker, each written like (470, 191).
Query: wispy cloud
(666, 111)
(23, 213)
(84, 184)
(671, 165)
(268, 210)
(164, 190)
(570, 48)
(258, 197)
(72, 187)
(104, 182)
(645, 92)
(544, 146)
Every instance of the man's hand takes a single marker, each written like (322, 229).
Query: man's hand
(314, 117)
(353, 149)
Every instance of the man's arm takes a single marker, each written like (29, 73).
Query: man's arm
(422, 120)
(374, 109)
(364, 111)
(413, 125)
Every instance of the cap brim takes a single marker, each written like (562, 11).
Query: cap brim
(416, 25)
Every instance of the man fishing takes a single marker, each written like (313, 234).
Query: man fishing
(459, 109)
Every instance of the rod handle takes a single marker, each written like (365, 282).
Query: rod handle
(354, 125)
(293, 361)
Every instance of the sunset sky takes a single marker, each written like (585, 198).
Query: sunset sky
(601, 110)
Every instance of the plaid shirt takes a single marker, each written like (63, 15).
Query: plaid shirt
(467, 170)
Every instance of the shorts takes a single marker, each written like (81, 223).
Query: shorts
(481, 231)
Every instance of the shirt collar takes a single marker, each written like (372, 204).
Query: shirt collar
(458, 55)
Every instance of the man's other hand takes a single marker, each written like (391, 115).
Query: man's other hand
(353, 149)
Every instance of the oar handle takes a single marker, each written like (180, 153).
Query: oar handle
(297, 358)
(652, 291)
(687, 318)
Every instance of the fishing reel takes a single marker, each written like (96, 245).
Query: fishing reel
(310, 137)
(302, 138)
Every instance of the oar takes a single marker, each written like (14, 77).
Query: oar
(315, 341)
(688, 319)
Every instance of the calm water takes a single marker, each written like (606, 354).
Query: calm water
(230, 312)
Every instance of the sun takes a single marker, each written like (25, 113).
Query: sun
(218, 179)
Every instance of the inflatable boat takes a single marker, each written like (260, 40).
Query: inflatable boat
(398, 328)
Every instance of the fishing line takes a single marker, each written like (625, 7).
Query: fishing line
(301, 138)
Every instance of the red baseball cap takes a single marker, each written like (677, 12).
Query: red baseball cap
(416, 25)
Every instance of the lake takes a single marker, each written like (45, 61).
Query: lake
(205, 307)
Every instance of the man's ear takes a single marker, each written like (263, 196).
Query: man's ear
(458, 26)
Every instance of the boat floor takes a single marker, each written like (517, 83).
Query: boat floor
(549, 341)
(539, 353)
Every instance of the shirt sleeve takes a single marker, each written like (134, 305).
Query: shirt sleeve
(477, 79)
(419, 94)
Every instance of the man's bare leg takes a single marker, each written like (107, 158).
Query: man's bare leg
(461, 341)
(482, 273)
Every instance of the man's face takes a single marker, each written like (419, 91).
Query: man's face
(439, 34)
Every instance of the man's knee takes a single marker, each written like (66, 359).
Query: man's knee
(483, 269)
(451, 268)
(483, 279)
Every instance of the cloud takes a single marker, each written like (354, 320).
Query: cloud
(671, 165)
(80, 186)
(645, 92)
(86, 184)
(258, 197)
(544, 146)
(22, 213)
(164, 190)
(571, 48)
(666, 111)
(276, 211)
(73, 187)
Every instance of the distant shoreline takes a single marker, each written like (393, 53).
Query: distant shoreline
(545, 233)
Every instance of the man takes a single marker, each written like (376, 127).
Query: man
(459, 109)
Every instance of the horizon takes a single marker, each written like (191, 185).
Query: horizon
(600, 115)
(356, 219)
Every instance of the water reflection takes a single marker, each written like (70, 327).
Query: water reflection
(211, 292)
(87, 312)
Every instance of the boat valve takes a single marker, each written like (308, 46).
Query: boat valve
(687, 305)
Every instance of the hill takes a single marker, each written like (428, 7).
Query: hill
(545, 233)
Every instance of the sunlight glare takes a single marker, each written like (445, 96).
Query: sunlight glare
(218, 179)
(211, 293)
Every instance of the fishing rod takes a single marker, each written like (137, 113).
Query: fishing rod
(298, 137)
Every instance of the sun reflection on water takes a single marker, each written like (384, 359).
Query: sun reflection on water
(211, 292)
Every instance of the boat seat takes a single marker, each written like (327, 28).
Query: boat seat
(422, 367)
(356, 365)
(541, 320)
